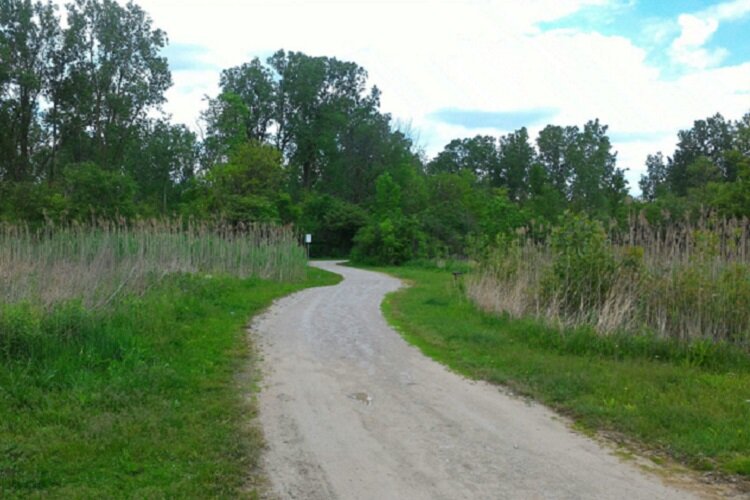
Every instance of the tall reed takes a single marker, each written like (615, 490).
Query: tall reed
(95, 263)
(684, 280)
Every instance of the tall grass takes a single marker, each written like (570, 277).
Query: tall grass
(96, 263)
(684, 281)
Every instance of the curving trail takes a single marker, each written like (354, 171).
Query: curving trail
(351, 411)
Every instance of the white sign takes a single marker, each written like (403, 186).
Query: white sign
(308, 238)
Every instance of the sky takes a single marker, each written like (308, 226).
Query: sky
(458, 68)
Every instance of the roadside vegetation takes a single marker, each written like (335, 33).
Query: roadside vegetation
(685, 281)
(120, 354)
(688, 401)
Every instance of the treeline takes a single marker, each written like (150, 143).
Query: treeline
(299, 139)
(710, 168)
(77, 107)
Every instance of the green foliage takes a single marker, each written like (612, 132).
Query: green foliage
(499, 216)
(452, 211)
(516, 159)
(111, 75)
(247, 187)
(28, 201)
(162, 162)
(478, 156)
(85, 185)
(733, 199)
(388, 240)
(708, 169)
(390, 237)
(583, 269)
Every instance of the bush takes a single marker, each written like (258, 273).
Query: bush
(86, 185)
(390, 237)
(583, 269)
(391, 241)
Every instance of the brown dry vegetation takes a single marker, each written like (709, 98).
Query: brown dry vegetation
(682, 281)
(96, 263)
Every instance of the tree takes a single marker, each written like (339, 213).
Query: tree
(114, 76)
(733, 199)
(710, 138)
(245, 110)
(545, 203)
(597, 186)
(516, 158)
(85, 185)
(315, 97)
(248, 187)
(318, 112)
(162, 158)
(654, 183)
(333, 224)
(29, 36)
(253, 84)
(553, 145)
(390, 237)
(477, 155)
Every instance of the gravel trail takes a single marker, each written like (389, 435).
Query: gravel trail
(351, 411)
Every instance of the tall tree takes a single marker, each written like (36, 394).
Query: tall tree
(710, 138)
(597, 185)
(318, 111)
(553, 145)
(114, 77)
(29, 36)
(477, 155)
(516, 157)
(162, 159)
(314, 98)
(654, 183)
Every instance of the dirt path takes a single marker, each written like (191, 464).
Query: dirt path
(351, 411)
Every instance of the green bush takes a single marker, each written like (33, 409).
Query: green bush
(390, 241)
(86, 186)
(583, 269)
(390, 237)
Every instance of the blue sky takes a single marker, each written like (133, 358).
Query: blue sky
(453, 68)
(654, 25)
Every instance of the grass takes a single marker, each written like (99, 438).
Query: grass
(96, 263)
(141, 399)
(688, 401)
(683, 281)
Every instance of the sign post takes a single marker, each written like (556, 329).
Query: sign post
(308, 240)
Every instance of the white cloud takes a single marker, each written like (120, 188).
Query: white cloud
(688, 48)
(697, 29)
(729, 11)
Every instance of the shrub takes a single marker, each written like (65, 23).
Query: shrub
(583, 269)
(390, 241)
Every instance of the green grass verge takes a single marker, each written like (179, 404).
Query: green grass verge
(692, 403)
(142, 401)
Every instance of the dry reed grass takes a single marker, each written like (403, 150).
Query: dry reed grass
(95, 263)
(683, 281)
